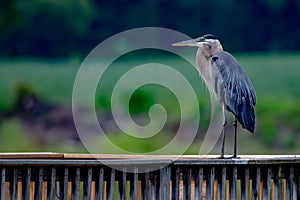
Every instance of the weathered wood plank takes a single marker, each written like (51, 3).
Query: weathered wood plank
(291, 188)
(41, 155)
(110, 185)
(210, 183)
(39, 184)
(99, 184)
(187, 179)
(222, 183)
(153, 185)
(256, 176)
(63, 184)
(26, 185)
(164, 188)
(244, 184)
(277, 183)
(87, 184)
(233, 184)
(3, 186)
(122, 185)
(267, 183)
(298, 183)
(134, 185)
(51, 185)
(149, 160)
(76, 184)
(175, 183)
(14, 184)
(198, 183)
(204, 174)
(145, 185)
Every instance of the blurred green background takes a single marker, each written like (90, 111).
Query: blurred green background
(43, 42)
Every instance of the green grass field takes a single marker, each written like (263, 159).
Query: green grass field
(275, 77)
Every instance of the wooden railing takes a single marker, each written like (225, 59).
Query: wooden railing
(82, 176)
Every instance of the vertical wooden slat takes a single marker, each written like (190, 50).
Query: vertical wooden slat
(267, 184)
(291, 184)
(161, 184)
(134, 185)
(298, 183)
(122, 185)
(14, 184)
(256, 183)
(146, 185)
(222, 184)
(76, 184)
(64, 184)
(111, 185)
(176, 184)
(254, 192)
(152, 184)
(233, 184)
(187, 180)
(287, 185)
(258, 178)
(244, 184)
(164, 188)
(210, 183)
(155, 187)
(2, 189)
(269, 179)
(87, 184)
(99, 184)
(294, 183)
(51, 184)
(38, 191)
(26, 185)
(198, 183)
(277, 183)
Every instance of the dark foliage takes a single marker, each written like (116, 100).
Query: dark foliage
(73, 27)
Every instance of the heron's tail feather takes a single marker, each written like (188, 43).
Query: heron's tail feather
(247, 117)
(244, 112)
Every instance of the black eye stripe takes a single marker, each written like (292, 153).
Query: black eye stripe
(210, 36)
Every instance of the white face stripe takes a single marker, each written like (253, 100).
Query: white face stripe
(215, 43)
(211, 40)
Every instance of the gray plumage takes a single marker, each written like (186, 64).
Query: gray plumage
(239, 95)
(226, 79)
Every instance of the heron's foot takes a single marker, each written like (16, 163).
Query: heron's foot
(233, 157)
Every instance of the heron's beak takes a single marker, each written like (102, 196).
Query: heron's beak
(192, 42)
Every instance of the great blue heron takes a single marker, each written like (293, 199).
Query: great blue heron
(229, 83)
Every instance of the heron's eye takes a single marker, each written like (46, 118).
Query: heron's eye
(200, 39)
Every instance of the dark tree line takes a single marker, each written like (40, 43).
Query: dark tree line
(62, 28)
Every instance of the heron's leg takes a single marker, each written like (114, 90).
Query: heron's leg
(235, 138)
(223, 131)
(223, 140)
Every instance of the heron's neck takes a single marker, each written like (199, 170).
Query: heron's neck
(203, 64)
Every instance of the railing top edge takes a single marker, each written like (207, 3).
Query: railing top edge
(80, 162)
(126, 159)
(50, 155)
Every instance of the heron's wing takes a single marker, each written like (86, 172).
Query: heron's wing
(235, 88)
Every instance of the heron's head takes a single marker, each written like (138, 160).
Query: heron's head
(208, 42)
